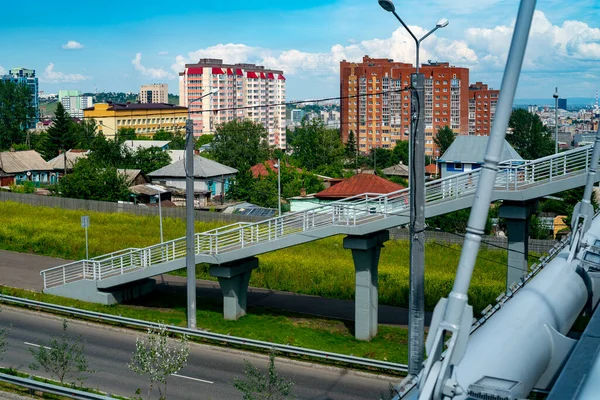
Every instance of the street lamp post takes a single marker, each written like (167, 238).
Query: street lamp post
(190, 254)
(162, 239)
(555, 95)
(416, 313)
(278, 166)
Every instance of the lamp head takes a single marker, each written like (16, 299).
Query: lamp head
(442, 23)
(555, 95)
(387, 5)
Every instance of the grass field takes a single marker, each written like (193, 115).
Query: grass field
(320, 268)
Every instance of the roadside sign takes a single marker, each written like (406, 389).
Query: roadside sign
(85, 221)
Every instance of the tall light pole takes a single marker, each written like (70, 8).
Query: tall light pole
(190, 254)
(162, 239)
(555, 95)
(416, 311)
(278, 166)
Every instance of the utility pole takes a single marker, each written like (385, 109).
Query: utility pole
(555, 95)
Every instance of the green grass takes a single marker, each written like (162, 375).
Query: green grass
(260, 324)
(321, 268)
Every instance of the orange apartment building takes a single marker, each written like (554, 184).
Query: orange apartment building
(482, 108)
(379, 115)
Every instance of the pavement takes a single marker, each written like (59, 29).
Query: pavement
(22, 270)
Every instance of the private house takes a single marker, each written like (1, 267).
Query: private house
(263, 169)
(70, 158)
(18, 167)
(466, 154)
(211, 178)
(146, 144)
(358, 184)
(133, 177)
(399, 169)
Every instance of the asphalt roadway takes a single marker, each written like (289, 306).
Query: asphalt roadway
(22, 270)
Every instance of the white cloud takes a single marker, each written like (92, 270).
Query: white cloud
(2, 70)
(51, 76)
(155, 73)
(162, 53)
(72, 45)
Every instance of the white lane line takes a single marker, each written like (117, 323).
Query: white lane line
(36, 345)
(193, 379)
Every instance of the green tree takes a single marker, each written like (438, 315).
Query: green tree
(314, 145)
(530, 138)
(240, 144)
(90, 181)
(124, 134)
(176, 139)
(382, 158)
(85, 133)
(63, 357)
(158, 359)
(61, 134)
(110, 153)
(15, 113)
(401, 151)
(350, 147)
(204, 139)
(258, 386)
(149, 159)
(444, 138)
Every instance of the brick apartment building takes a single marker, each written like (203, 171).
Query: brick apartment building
(380, 119)
(240, 85)
(482, 108)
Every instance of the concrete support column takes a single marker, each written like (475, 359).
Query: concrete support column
(517, 215)
(365, 253)
(233, 279)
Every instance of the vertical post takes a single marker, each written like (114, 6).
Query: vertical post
(190, 257)
(279, 186)
(416, 310)
(555, 120)
(162, 239)
(87, 253)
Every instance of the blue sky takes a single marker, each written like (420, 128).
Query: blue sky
(117, 46)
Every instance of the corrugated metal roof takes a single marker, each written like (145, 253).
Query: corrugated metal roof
(13, 162)
(130, 174)
(360, 183)
(73, 156)
(471, 149)
(396, 170)
(144, 144)
(203, 168)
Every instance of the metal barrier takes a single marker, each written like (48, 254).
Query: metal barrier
(353, 211)
(53, 389)
(217, 337)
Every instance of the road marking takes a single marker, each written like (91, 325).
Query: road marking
(36, 345)
(193, 379)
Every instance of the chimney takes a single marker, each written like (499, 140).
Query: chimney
(303, 192)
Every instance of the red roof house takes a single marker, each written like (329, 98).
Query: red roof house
(358, 184)
(264, 168)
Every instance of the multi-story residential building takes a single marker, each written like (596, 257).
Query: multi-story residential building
(245, 91)
(482, 108)
(376, 106)
(74, 102)
(27, 77)
(146, 119)
(155, 93)
(297, 116)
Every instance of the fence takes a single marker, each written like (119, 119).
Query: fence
(535, 245)
(109, 207)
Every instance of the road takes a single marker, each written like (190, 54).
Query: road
(208, 375)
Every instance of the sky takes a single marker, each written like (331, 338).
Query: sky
(118, 46)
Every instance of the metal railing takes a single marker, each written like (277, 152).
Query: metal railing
(216, 337)
(352, 211)
(44, 387)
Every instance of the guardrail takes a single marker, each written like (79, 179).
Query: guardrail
(216, 337)
(353, 211)
(52, 389)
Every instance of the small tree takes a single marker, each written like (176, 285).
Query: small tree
(444, 138)
(155, 357)
(63, 357)
(258, 386)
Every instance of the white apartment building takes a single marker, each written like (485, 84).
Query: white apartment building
(155, 93)
(74, 103)
(245, 91)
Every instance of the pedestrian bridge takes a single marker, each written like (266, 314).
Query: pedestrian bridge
(357, 216)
